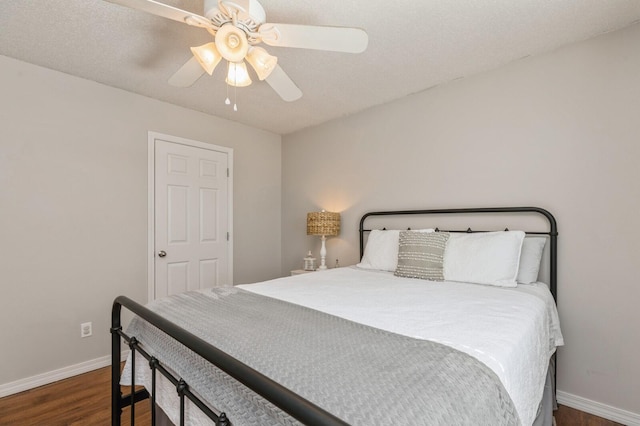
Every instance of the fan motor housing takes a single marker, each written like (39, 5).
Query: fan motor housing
(249, 12)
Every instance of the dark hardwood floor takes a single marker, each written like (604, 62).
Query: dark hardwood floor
(85, 400)
(566, 416)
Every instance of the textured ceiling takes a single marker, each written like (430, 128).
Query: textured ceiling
(413, 45)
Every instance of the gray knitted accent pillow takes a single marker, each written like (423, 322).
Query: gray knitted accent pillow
(420, 255)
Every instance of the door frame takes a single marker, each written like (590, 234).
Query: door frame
(152, 136)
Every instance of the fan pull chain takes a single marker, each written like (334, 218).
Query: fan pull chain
(227, 101)
(235, 98)
(235, 86)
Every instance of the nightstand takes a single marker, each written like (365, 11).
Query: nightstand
(299, 272)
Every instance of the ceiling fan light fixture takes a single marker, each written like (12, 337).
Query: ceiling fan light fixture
(238, 76)
(232, 43)
(208, 56)
(261, 62)
(237, 26)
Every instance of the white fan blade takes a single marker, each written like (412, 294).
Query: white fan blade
(283, 85)
(188, 74)
(336, 39)
(166, 11)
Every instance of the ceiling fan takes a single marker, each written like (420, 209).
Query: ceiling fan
(238, 27)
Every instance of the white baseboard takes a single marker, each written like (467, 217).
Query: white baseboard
(56, 375)
(598, 409)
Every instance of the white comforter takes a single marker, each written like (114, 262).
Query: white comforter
(514, 331)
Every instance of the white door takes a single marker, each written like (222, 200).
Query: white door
(191, 217)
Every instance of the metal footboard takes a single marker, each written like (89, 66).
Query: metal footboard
(298, 407)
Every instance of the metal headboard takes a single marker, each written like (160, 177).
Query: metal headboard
(552, 232)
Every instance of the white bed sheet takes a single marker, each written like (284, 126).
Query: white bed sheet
(514, 331)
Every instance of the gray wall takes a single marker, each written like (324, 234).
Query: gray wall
(73, 209)
(558, 131)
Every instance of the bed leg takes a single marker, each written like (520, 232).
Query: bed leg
(116, 394)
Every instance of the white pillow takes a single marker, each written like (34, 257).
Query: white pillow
(381, 251)
(532, 248)
(484, 258)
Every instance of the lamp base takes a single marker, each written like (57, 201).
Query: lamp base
(323, 255)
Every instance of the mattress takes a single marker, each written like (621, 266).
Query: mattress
(513, 331)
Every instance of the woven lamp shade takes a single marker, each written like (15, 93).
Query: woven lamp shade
(323, 223)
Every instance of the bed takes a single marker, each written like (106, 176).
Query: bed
(388, 340)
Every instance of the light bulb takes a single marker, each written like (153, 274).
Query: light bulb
(238, 75)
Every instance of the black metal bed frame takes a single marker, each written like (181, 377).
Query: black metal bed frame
(298, 407)
(295, 405)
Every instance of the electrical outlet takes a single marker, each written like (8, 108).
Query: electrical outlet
(85, 329)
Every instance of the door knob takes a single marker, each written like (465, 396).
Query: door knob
(162, 253)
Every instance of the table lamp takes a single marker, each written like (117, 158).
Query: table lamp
(324, 224)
